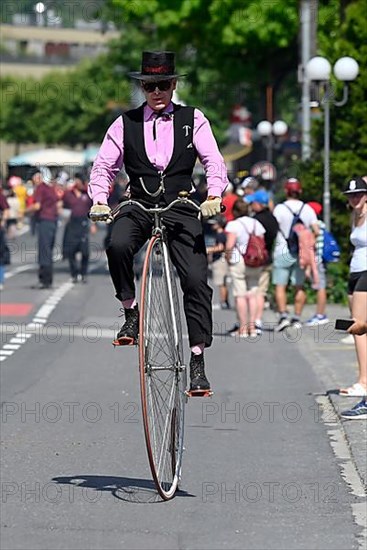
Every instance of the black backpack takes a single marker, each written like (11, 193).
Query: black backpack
(292, 240)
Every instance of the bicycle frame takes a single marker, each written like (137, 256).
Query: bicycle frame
(159, 230)
(163, 376)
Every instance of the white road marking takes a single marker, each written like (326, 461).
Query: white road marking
(18, 270)
(42, 314)
(40, 318)
(18, 340)
(348, 469)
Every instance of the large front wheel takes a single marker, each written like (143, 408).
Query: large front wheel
(162, 373)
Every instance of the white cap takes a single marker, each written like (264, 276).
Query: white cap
(46, 175)
(249, 180)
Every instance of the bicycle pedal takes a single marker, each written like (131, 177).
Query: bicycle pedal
(199, 393)
(124, 342)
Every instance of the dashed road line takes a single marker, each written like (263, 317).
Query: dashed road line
(18, 270)
(40, 318)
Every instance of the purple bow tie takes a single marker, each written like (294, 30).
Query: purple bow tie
(160, 114)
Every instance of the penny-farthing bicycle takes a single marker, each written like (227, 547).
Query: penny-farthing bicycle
(163, 374)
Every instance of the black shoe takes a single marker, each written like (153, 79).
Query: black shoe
(41, 286)
(129, 332)
(197, 373)
(84, 280)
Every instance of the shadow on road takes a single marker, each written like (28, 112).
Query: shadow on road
(128, 489)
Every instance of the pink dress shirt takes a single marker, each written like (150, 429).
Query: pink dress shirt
(110, 157)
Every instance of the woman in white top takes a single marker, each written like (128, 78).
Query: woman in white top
(357, 284)
(245, 280)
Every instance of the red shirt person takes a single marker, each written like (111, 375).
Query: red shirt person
(46, 206)
(76, 235)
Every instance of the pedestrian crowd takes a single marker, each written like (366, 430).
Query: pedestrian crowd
(291, 236)
(293, 240)
(299, 247)
(42, 204)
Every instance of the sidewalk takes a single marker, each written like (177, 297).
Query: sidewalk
(335, 365)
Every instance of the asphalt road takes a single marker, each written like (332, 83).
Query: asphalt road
(259, 470)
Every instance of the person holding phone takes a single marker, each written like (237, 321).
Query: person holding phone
(358, 328)
(357, 291)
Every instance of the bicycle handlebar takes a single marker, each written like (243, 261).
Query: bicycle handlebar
(155, 209)
(183, 199)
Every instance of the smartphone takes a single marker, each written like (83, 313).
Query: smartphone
(343, 324)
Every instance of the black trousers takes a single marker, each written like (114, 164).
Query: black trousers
(46, 231)
(76, 239)
(187, 250)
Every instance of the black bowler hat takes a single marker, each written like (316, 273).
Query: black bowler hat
(156, 66)
(356, 185)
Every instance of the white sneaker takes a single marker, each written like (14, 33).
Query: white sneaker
(284, 322)
(348, 340)
(296, 323)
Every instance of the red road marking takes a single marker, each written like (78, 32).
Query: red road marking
(15, 310)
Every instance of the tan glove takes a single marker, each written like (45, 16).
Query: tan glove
(100, 213)
(211, 207)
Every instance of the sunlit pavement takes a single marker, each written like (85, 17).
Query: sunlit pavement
(267, 461)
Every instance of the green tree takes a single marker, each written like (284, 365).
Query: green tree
(75, 107)
(344, 34)
(17, 107)
(72, 107)
(229, 49)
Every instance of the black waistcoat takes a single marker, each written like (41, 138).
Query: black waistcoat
(142, 173)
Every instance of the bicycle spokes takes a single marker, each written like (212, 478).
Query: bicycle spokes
(163, 377)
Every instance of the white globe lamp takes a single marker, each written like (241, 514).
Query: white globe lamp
(280, 128)
(318, 68)
(346, 69)
(265, 128)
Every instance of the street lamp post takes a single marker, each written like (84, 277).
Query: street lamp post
(268, 131)
(41, 12)
(318, 70)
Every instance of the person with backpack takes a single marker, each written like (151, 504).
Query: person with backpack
(292, 215)
(246, 253)
(259, 203)
(327, 251)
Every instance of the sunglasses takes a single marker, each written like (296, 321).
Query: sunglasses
(162, 85)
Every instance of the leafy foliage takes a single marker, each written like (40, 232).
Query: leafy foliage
(345, 33)
(229, 49)
(69, 108)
